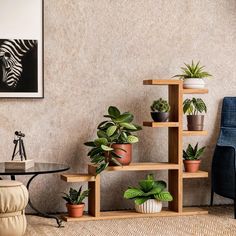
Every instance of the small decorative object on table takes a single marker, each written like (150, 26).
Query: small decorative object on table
(114, 143)
(160, 110)
(193, 107)
(192, 158)
(193, 76)
(150, 194)
(23, 163)
(74, 199)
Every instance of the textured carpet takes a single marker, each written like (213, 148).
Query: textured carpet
(219, 221)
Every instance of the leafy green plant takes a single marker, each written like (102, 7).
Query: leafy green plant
(75, 197)
(148, 189)
(160, 105)
(193, 153)
(118, 129)
(193, 71)
(194, 106)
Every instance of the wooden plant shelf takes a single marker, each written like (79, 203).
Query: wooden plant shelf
(109, 215)
(74, 178)
(160, 124)
(174, 166)
(195, 133)
(141, 166)
(195, 91)
(199, 174)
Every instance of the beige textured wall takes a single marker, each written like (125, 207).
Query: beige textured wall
(97, 52)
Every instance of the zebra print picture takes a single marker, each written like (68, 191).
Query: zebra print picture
(18, 66)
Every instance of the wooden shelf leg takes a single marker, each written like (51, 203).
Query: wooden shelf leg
(94, 197)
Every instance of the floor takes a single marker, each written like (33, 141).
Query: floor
(219, 221)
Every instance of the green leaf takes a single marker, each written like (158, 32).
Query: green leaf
(160, 184)
(111, 130)
(154, 191)
(114, 154)
(141, 200)
(101, 134)
(125, 117)
(101, 167)
(146, 185)
(94, 151)
(90, 144)
(97, 159)
(132, 139)
(106, 148)
(113, 111)
(132, 193)
(128, 126)
(164, 197)
(115, 161)
(101, 141)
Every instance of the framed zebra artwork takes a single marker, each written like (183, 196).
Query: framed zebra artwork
(21, 49)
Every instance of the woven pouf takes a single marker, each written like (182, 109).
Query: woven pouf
(13, 200)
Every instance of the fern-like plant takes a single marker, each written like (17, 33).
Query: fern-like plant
(193, 153)
(193, 71)
(148, 189)
(75, 197)
(194, 106)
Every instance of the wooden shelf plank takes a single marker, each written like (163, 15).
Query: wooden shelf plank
(195, 133)
(162, 82)
(199, 174)
(74, 178)
(108, 215)
(195, 91)
(141, 166)
(160, 124)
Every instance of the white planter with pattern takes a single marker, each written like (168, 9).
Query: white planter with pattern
(150, 206)
(193, 83)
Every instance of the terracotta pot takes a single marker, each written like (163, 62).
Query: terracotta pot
(195, 122)
(160, 116)
(192, 165)
(75, 210)
(126, 156)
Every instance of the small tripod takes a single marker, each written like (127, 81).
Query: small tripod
(18, 139)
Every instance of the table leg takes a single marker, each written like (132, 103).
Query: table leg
(13, 177)
(43, 214)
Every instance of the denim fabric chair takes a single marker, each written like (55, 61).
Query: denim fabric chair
(223, 163)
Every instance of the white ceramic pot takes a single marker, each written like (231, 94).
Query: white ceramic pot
(194, 83)
(150, 206)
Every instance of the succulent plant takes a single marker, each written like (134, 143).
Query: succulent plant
(75, 197)
(193, 71)
(160, 105)
(193, 153)
(148, 188)
(194, 106)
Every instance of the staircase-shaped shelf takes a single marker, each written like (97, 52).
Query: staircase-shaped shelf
(174, 165)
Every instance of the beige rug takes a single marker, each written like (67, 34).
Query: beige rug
(220, 221)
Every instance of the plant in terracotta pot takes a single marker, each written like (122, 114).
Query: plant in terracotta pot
(191, 158)
(160, 110)
(193, 75)
(74, 199)
(192, 107)
(114, 143)
(149, 195)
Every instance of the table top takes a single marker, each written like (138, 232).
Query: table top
(39, 168)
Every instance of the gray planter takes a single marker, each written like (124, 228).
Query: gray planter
(160, 116)
(195, 122)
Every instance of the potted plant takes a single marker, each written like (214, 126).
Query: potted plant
(160, 110)
(192, 107)
(74, 199)
(193, 75)
(114, 143)
(192, 158)
(149, 195)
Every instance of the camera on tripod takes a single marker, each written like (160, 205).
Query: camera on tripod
(18, 140)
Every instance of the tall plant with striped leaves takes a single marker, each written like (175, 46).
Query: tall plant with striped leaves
(148, 188)
(117, 129)
(194, 106)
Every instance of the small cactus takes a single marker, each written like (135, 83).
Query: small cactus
(160, 105)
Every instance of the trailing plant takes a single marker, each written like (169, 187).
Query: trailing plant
(160, 105)
(148, 189)
(118, 129)
(75, 197)
(193, 153)
(193, 71)
(194, 106)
